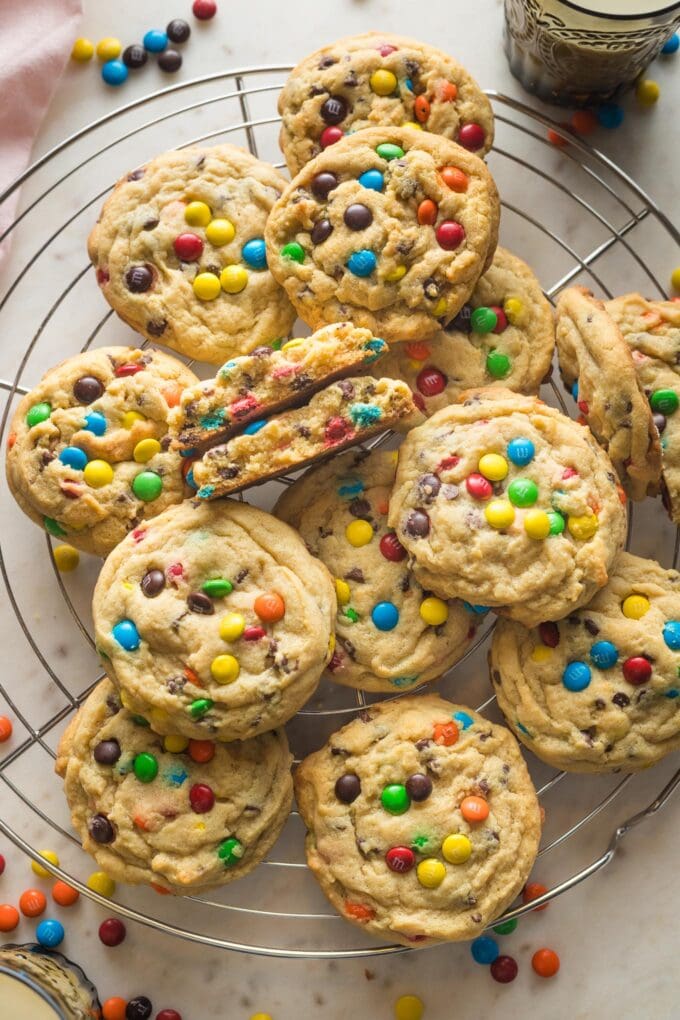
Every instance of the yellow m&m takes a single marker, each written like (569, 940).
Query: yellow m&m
(38, 869)
(220, 232)
(493, 466)
(175, 744)
(207, 286)
(197, 214)
(342, 591)
(232, 626)
(409, 1007)
(537, 524)
(431, 873)
(499, 514)
(541, 653)
(290, 345)
(225, 669)
(383, 82)
(358, 533)
(108, 48)
(395, 274)
(100, 882)
(233, 279)
(583, 527)
(83, 50)
(434, 611)
(98, 473)
(513, 308)
(145, 450)
(635, 607)
(130, 417)
(66, 558)
(456, 848)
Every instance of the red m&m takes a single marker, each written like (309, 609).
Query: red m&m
(400, 859)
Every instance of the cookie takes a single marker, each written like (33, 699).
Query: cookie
(598, 691)
(182, 815)
(266, 381)
(503, 501)
(390, 634)
(652, 331)
(180, 256)
(343, 414)
(391, 228)
(504, 336)
(215, 620)
(88, 454)
(422, 820)
(375, 79)
(597, 366)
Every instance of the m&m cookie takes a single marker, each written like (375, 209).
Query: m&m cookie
(371, 79)
(422, 820)
(254, 386)
(600, 690)
(391, 228)
(504, 502)
(182, 815)
(179, 252)
(214, 620)
(652, 331)
(391, 635)
(503, 336)
(597, 366)
(343, 414)
(88, 453)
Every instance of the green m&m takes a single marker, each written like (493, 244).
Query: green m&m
(483, 320)
(145, 767)
(199, 707)
(497, 364)
(395, 799)
(217, 587)
(663, 401)
(293, 251)
(54, 527)
(147, 486)
(230, 851)
(37, 413)
(556, 522)
(389, 151)
(523, 492)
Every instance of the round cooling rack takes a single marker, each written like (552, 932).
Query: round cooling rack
(570, 212)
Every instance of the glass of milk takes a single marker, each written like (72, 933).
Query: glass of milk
(39, 984)
(585, 53)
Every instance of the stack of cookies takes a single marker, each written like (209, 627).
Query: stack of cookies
(215, 621)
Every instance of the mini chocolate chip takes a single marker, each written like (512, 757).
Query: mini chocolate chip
(660, 422)
(323, 184)
(346, 388)
(151, 224)
(137, 174)
(87, 388)
(107, 752)
(153, 583)
(138, 279)
(326, 62)
(359, 507)
(431, 288)
(591, 627)
(621, 699)
(200, 603)
(157, 326)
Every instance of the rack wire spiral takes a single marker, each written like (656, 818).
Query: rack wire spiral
(603, 231)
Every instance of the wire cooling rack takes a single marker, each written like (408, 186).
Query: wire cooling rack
(571, 213)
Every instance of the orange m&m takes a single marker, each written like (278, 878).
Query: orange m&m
(32, 902)
(532, 890)
(474, 809)
(445, 733)
(270, 607)
(65, 895)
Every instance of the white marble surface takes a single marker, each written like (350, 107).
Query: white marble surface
(617, 933)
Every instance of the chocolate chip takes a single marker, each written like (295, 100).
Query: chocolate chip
(153, 583)
(417, 524)
(156, 326)
(201, 603)
(359, 507)
(591, 627)
(348, 788)
(355, 574)
(418, 786)
(621, 699)
(138, 279)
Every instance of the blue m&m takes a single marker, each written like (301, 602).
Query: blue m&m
(671, 45)
(671, 634)
(127, 635)
(362, 263)
(50, 933)
(95, 423)
(385, 615)
(155, 40)
(576, 676)
(114, 72)
(254, 253)
(372, 179)
(463, 720)
(484, 950)
(521, 451)
(254, 427)
(73, 457)
(603, 654)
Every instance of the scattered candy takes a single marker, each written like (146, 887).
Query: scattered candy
(114, 72)
(48, 855)
(506, 927)
(32, 902)
(671, 45)
(83, 50)
(134, 56)
(484, 949)
(65, 895)
(204, 9)
(100, 882)
(584, 122)
(408, 1007)
(545, 962)
(532, 891)
(504, 969)
(112, 931)
(610, 115)
(9, 917)
(647, 92)
(155, 40)
(172, 1014)
(140, 1007)
(5, 732)
(177, 30)
(108, 48)
(675, 279)
(50, 933)
(671, 635)
(114, 1009)
(3, 864)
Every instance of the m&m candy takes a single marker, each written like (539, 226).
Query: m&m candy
(504, 969)
(395, 799)
(204, 10)
(155, 40)
(114, 72)
(50, 933)
(32, 902)
(108, 48)
(484, 949)
(48, 855)
(545, 962)
(576, 676)
(431, 873)
(9, 917)
(112, 931)
(83, 50)
(5, 732)
(408, 1007)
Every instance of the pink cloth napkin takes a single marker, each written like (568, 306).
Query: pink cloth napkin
(35, 42)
